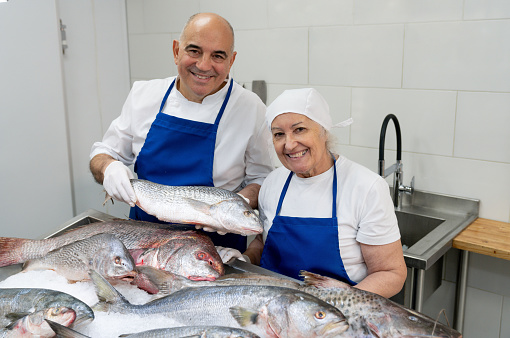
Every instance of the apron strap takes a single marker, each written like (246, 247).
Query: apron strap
(220, 114)
(166, 96)
(287, 183)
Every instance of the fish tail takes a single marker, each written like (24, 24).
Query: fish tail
(109, 298)
(316, 280)
(11, 250)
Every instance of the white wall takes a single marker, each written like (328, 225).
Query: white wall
(442, 66)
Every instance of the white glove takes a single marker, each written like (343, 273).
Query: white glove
(208, 229)
(116, 183)
(244, 198)
(229, 254)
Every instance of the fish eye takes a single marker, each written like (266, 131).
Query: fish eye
(413, 318)
(117, 260)
(320, 314)
(247, 213)
(201, 255)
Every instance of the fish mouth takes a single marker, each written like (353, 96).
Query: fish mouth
(334, 329)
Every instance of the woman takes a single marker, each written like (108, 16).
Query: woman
(322, 212)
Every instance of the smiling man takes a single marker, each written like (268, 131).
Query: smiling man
(198, 128)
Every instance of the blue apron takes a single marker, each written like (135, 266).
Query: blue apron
(301, 243)
(181, 152)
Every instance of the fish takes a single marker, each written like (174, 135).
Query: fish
(194, 331)
(63, 331)
(31, 300)
(368, 314)
(34, 324)
(104, 253)
(179, 249)
(216, 208)
(371, 315)
(267, 311)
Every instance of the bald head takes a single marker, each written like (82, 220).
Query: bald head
(208, 21)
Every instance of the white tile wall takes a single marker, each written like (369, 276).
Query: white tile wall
(151, 56)
(279, 55)
(426, 118)
(458, 55)
(376, 11)
(310, 13)
(482, 127)
(356, 55)
(486, 323)
(486, 9)
(166, 16)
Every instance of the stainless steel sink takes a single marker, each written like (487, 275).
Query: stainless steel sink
(428, 223)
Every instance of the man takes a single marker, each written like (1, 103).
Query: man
(199, 128)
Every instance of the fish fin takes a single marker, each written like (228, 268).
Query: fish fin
(374, 329)
(11, 250)
(244, 316)
(14, 317)
(105, 292)
(107, 198)
(314, 279)
(199, 206)
(63, 331)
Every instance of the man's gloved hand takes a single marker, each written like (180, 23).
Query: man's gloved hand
(208, 229)
(116, 183)
(244, 198)
(229, 254)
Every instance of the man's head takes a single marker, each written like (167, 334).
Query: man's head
(204, 55)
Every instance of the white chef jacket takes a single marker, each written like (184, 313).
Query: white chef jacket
(241, 152)
(365, 211)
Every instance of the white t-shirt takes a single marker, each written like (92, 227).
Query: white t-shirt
(241, 151)
(365, 211)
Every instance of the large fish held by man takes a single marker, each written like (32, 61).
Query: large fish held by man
(216, 208)
(179, 249)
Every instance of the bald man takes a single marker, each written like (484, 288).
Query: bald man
(198, 128)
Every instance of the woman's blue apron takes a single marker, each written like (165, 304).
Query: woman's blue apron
(181, 152)
(301, 243)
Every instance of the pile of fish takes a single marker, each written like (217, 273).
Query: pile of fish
(180, 267)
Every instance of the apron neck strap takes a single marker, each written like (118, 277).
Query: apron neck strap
(287, 183)
(225, 101)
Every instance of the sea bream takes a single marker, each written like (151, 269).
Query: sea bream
(30, 301)
(220, 209)
(268, 311)
(368, 314)
(179, 249)
(34, 324)
(104, 253)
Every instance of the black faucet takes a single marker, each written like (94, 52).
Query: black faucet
(398, 187)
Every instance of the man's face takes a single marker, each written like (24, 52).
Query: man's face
(203, 58)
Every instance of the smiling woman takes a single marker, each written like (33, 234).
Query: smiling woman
(321, 211)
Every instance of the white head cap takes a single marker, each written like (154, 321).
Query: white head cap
(304, 101)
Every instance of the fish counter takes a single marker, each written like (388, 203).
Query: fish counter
(247, 297)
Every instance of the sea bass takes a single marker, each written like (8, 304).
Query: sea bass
(34, 325)
(173, 332)
(26, 300)
(179, 249)
(217, 208)
(368, 314)
(103, 252)
(264, 310)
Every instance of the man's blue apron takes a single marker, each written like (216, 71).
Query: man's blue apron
(301, 243)
(181, 152)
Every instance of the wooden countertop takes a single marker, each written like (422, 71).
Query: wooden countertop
(487, 237)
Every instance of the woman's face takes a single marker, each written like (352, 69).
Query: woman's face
(300, 144)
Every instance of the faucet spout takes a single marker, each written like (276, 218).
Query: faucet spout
(396, 168)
